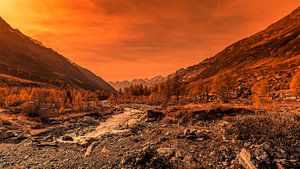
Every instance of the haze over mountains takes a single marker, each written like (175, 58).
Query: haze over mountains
(25, 58)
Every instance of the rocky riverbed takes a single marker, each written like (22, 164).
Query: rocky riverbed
(141, 136)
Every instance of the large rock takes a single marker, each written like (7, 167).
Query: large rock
(256, 157)
(154, 115)
(6, 135)
(166, 152)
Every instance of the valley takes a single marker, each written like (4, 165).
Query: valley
(239, 109)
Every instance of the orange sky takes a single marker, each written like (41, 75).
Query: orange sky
(126, 39)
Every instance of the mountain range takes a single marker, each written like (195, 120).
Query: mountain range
(146, 82)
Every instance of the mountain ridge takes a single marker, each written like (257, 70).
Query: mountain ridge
(24, 57)
(272, 52)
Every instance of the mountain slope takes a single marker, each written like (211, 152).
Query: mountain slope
(26, 58)
(272, 54)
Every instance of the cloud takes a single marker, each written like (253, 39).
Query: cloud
(124, 39)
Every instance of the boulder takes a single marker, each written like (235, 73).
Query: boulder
(6, 135)
(154, 115)
(67, 138)
(165, 152)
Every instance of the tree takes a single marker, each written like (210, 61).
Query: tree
(167, 90)
(176, 86)
(222, 86)
(120, 91)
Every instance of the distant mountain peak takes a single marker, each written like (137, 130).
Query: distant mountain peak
(146, 81)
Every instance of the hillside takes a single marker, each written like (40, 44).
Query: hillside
(23, 57)
(271, 55)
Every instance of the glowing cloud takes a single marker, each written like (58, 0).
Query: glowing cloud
(123, 39)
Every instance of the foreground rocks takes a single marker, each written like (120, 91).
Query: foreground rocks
(258, 157)
(145, 139)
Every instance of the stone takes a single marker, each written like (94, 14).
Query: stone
(89, 149)
(194, 134)
(47, 144)
(6, 135)
(80, 133)
(67, 138)
(104, 150)
(165, 152)
(132, 122)
(245, 159)
(279, 166)
(154, 115)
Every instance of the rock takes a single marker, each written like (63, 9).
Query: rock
(48, 138)
(154, 115)
(67, 138)
(104, 150)
(165, 152)
(245, 159)
(80, 133)
(22, 137)
(13, 140)
(6, 135)
(89, 149)
(279, 166)
(132, 122)
(261, 156)
(47, 144)
(194, 134)
(186, 132)
(123, 161)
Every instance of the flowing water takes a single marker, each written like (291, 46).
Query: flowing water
(118, 123)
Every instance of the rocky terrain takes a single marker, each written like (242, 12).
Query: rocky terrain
(141, 136)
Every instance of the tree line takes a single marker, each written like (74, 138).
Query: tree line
(162, 92)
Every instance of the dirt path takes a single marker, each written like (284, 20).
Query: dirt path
(116, 124)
